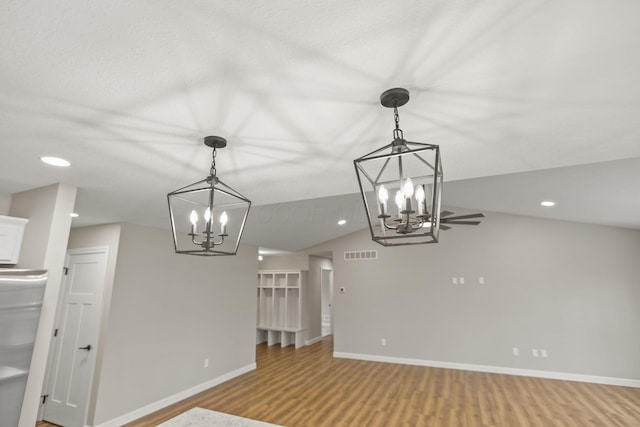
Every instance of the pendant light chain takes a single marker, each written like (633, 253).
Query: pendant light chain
(212, 171)
(397, 132)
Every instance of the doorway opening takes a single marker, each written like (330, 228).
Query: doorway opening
(326, 293)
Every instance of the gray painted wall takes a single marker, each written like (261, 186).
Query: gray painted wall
(38, 206)
(572, 289)
(5, 203)
(168, 313)
(291, 261)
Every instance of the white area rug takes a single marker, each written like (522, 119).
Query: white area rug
(198, 417)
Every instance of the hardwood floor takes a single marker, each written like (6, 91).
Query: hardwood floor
(308, 387)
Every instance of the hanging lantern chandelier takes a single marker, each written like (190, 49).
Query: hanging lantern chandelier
(208, 217)
(408, 172)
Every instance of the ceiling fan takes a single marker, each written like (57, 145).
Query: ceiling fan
(446, 218)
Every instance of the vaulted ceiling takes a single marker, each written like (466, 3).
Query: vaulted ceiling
(541, 98)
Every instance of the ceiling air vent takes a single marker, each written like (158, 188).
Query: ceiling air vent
(360, 255)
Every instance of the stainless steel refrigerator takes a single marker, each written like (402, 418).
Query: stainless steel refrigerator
(21, 294)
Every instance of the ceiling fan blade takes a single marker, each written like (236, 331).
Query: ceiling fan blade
(475, 215)
(462, 223)
(444, 227)
(445, 213)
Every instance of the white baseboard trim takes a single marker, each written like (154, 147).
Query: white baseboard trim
(312, 341)
(155, 406)
(494, 369)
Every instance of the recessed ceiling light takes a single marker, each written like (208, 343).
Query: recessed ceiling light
(74, 215)
(548, 203)
(55, 161)
(260, 257)
(342, 222)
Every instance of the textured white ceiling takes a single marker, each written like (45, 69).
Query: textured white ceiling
(127, 90)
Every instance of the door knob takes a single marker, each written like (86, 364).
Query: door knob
(88, 348)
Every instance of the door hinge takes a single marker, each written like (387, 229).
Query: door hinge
(44, 398)
(66, 270)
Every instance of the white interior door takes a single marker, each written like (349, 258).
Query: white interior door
(326, 289)
(76, 337)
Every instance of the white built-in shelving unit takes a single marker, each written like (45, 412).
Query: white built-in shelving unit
(280, 307)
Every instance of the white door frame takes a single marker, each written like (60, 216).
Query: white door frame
(64, 283)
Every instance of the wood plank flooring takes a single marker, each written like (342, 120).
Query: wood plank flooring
(308, 388)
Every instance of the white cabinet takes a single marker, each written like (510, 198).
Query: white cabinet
(280, 307)
(11, 231)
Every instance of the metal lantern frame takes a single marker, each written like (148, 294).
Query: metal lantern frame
(211, 190)
(417, 223)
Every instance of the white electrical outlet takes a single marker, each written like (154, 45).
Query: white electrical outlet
(515, 351)
(543, 353)
(461, 280)
(206, 362)
(454, 280)
(534, 352)
(383, 341)
(481, 280)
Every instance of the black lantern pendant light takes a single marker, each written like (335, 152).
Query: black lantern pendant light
(410, 173)
(208, 217)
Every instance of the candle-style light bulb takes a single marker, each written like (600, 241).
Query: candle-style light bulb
(383, 196)
(223, 223)
(193, 218)
(207, 223)
(407, 192)
(399, 201)
(407, 188)
(419, 194)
